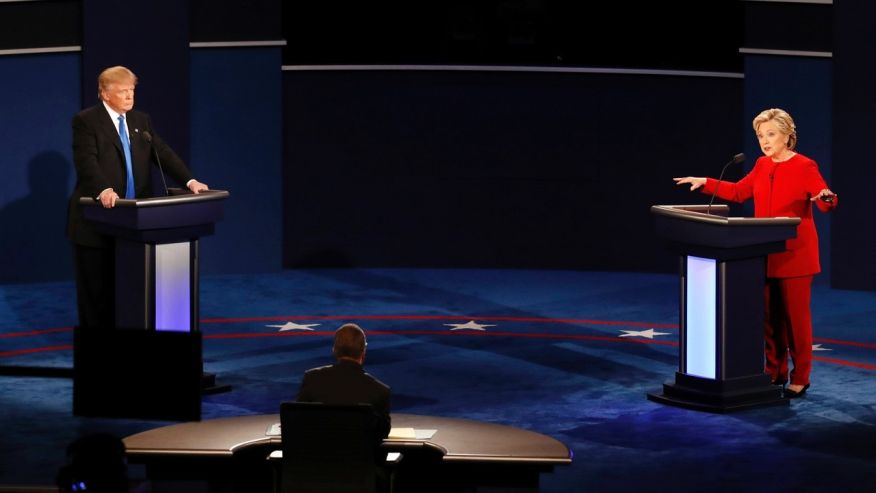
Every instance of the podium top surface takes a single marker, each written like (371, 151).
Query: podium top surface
(178, 217)
(719, 216)
(175, 198)
(693, 232)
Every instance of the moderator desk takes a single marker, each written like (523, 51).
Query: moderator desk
(231, 454)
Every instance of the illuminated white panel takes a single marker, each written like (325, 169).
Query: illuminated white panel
(172, 287)
(700, 314)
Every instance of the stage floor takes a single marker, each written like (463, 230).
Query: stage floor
(567, 354)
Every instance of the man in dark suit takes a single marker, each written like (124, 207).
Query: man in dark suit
(346, 382)
(109, 168)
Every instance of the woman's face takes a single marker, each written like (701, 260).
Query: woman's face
(773, 142)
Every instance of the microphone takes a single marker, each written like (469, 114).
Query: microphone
(148, 138)
(736, 160)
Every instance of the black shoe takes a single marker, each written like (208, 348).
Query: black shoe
(781, 382)
(790, 394)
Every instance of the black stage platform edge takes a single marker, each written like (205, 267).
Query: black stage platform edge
(35, 371)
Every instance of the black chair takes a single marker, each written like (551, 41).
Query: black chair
(95, 463)
(328, 448)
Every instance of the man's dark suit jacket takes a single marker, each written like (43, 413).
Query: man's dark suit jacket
(100, 164)
(346, 382)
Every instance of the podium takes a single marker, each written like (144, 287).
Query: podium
(721, 306)
(150, 364)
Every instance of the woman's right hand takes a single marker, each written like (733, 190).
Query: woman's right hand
(694, 182)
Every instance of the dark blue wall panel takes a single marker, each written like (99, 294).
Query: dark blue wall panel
(38, 95)
(803, 87)
(236, 100)
(854, 174)
(494, 169)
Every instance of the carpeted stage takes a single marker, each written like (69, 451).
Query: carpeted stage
(567, 354)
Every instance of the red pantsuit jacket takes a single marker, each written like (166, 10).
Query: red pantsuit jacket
(783, 190)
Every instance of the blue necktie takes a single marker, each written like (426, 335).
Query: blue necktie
(126, 145)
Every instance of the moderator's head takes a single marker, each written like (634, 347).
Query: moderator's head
(349, 342)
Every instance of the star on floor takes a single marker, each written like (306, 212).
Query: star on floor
(649, 334)
(817, 347)
(471, 324)
(293, 326)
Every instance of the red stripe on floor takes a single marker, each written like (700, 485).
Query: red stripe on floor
(845, 343)
(836, 361)
(440, 317)
(35, 332)
(19, 352)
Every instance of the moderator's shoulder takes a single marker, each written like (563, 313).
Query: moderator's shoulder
(377, 382)
(318, 370)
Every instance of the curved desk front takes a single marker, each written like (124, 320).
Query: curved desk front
(460, 454)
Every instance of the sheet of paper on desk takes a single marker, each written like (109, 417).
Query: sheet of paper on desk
(424, 434)
(402, 433)
(273, 430)
(411, 433)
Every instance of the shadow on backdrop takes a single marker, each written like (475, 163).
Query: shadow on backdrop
(34, 248)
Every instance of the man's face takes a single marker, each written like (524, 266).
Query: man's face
(119, 96)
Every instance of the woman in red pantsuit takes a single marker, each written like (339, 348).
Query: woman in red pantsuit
(783, 183)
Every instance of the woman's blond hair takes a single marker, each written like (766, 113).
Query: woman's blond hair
(782, 119)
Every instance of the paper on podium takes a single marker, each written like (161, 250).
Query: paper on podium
(411, 433)
(273, 430)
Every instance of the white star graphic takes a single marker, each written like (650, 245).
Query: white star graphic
(817, 347)
(471, 324)
(293, 326)
(649, 334)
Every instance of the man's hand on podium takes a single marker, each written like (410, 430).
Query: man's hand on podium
(108, 198)
(197, 187)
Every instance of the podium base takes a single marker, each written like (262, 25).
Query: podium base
(209, 385)
(137, 374)
(719, 396)
(662, 398)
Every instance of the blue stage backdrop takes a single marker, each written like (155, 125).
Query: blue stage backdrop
(236, 145)
(426, 168)
(38, 95)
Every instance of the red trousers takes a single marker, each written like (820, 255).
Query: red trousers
(788, 328)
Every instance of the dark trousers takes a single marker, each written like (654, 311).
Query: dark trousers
(95, 286)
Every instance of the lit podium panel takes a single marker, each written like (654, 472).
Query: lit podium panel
(149, 365)
(721, 306)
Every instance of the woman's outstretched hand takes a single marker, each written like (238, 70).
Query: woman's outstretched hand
(694, 182)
